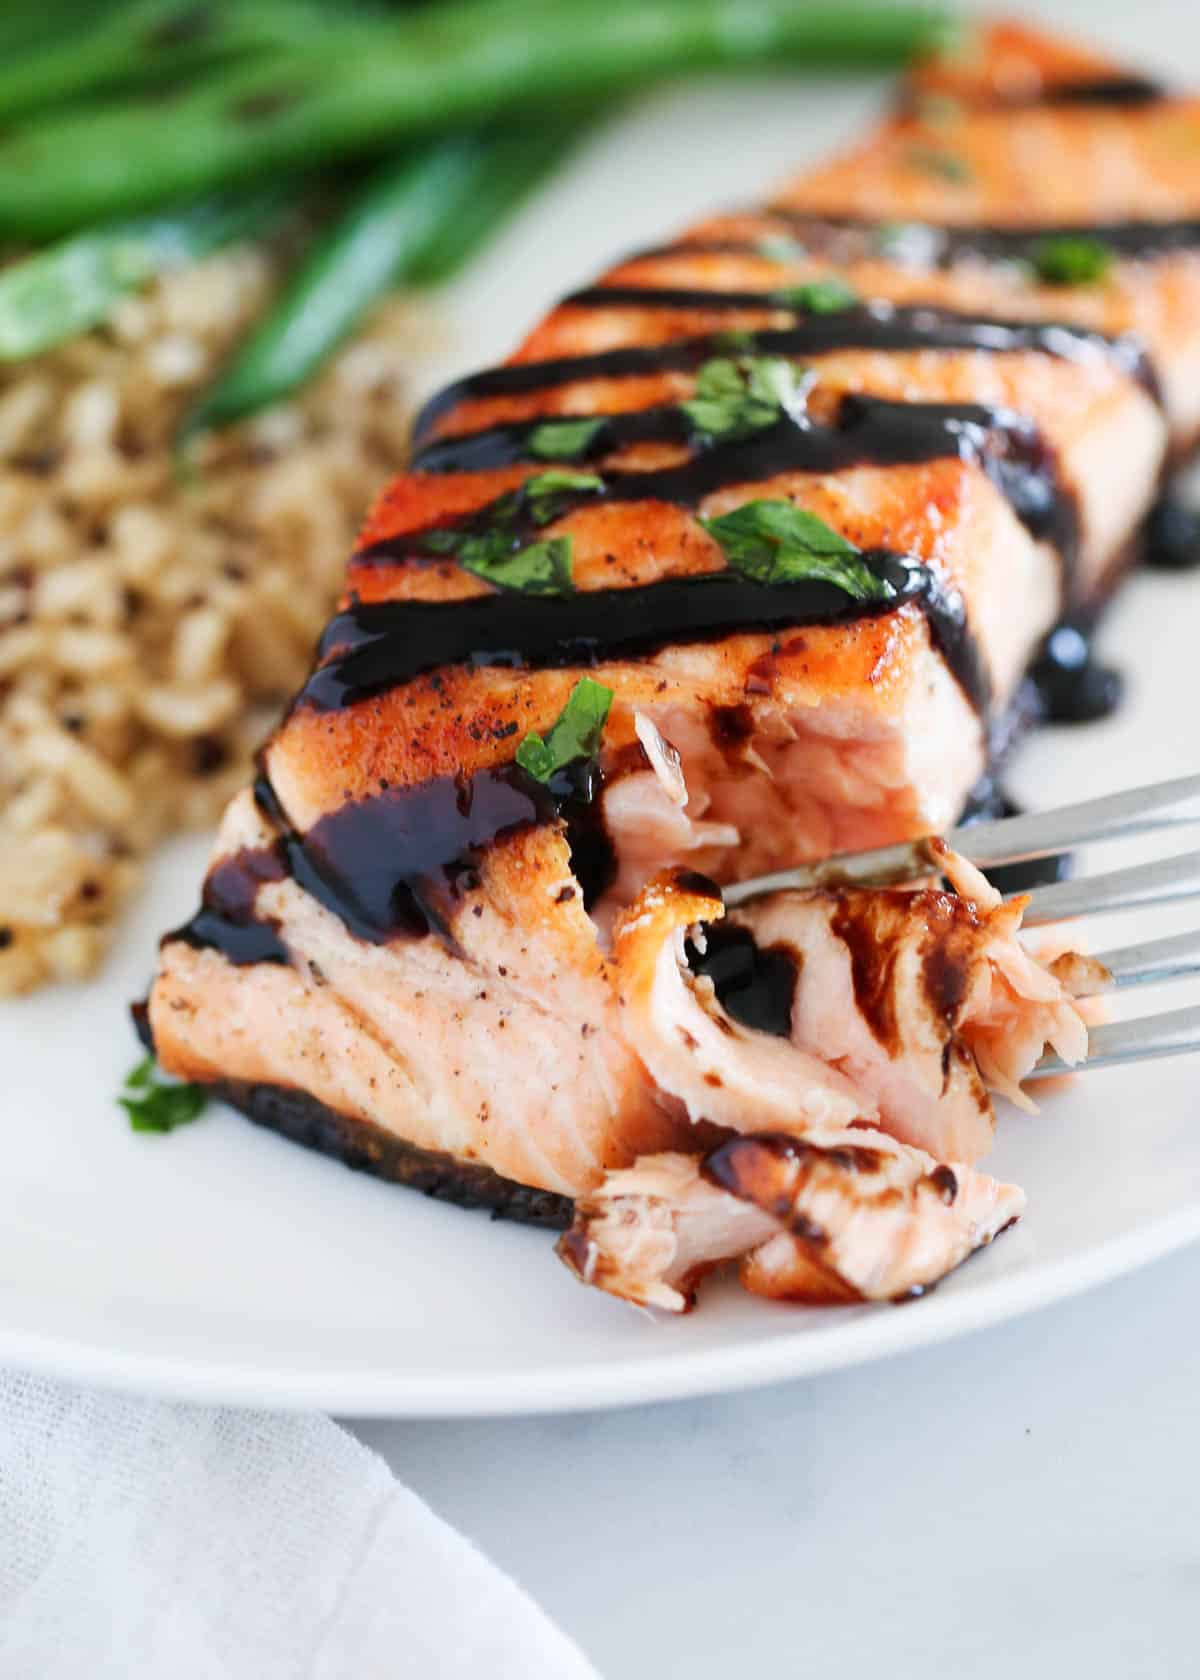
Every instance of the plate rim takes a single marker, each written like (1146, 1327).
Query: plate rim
(391, 1392)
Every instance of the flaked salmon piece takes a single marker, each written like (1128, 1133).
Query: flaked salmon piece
(802, 1010)
(849, 1215)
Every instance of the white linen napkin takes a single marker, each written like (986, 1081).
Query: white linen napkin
(141, 1539)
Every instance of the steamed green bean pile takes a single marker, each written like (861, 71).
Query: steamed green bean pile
(141, 135)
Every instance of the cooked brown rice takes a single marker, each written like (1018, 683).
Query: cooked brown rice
(151, 622)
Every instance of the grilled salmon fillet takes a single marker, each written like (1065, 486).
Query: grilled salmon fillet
(741, 559)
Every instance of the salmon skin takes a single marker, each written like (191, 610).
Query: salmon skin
(740, 560)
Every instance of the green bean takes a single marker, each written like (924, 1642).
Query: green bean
(434, 70)
(515, 163)
(394, 216)
(72, 286)
(143, 43)
(415, 221)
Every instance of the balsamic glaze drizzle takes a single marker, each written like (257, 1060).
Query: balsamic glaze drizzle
(375, 646)
(942, 244)
(227, 919)
(392, 864)
(866, 431)
(1118, 89)
(875, 325)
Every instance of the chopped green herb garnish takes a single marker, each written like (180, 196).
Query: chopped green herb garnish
(736, 340)
(541, 568)
(774, 542)
(818, 297)
(157, 1105)
(1071, 260)
(563, 440)
(735, 398)
(442, 542)
(547, 494)
(932, 161)
(781, 248)
(575, 734)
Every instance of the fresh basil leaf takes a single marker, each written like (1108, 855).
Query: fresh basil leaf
(781, 248)
(576, 733)
(157, 1105)
(948, 166)
(563, 440)
(548, 494)
(1071, 260)
(735, 398)
(774, 542)
(541, 568)
(818, 297)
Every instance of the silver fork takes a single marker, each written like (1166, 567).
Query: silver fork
(1119, 816)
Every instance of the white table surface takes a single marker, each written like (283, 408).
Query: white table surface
(1019, 1502)
(1022, 1501)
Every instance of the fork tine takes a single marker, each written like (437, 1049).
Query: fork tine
(1174, 958)
(1164, 881)
(1174, 1034)
(1113, 816)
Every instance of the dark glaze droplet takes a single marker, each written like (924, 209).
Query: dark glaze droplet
(1072, 685)
(1172, 541)
(754, 985)
(227, 920)
(373, 647)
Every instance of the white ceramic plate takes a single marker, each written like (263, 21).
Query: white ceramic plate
(223, 1264)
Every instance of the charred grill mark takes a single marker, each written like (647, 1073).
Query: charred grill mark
(876, 325)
